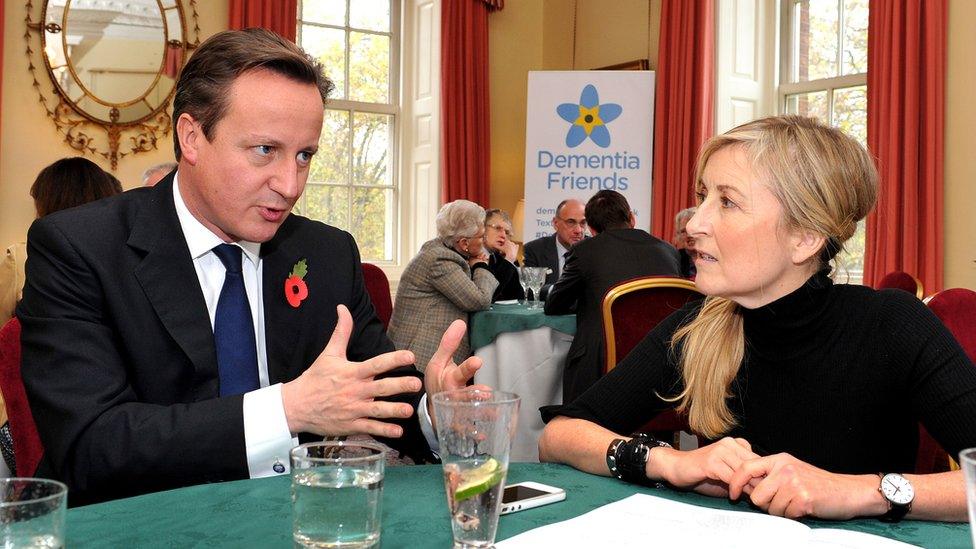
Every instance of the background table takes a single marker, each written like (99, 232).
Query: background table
(257, 513)
(524, 352)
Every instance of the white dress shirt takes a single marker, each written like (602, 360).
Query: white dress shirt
(266, 436)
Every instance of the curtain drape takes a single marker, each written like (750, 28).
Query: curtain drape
(280, 16)
(683, 106)
(465, 136)
(906, 110)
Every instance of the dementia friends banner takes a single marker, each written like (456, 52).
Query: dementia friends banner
(587, 131)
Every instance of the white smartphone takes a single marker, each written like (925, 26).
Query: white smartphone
(526, 495)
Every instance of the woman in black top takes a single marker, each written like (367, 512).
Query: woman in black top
(812, 388)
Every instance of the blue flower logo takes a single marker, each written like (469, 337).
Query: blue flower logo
(589, 118)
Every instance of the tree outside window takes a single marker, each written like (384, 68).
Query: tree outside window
(352, 183)
(824, 75)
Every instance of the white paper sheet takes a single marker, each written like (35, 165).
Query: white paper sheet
(641, 520)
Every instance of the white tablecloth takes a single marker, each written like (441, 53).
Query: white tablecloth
(529, 363)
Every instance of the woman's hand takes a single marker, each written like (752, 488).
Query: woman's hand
(785, 486)
(707, 470)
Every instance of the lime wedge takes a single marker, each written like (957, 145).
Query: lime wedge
(479, 480)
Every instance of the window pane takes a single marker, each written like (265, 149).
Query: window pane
(329, 47)
(369, 67)
(815, 38)
(329, 204)
(331, 163)
(851, 112)
(855, 36)
(813, 104)
(329, 12)
(372, 149)
(849, 264)
(370, 14)
(372, 222)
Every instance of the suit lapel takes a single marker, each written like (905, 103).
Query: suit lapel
(168, 279)
(283, 324)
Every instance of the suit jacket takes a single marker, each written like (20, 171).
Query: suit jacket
(437, 288)
(118, 357)
(592, 267)
(542, 252)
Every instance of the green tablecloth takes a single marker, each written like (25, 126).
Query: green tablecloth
(486, 325)
(257, 513)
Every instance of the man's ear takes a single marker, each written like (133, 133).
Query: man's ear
(633, 220)
(190, 134)
(806, 245)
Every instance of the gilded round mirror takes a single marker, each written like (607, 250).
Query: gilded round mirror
(112, 64)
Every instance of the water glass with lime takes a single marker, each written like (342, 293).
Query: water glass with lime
(475, 429)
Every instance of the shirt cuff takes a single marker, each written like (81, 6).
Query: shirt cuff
(266, 436)
(426, 426)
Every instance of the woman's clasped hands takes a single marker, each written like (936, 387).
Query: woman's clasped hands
(779, 484)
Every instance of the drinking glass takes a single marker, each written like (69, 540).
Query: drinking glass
(524, 281)
(32, 512)
(967, 461)
(336, 494)
(537, 278)
(475, 429)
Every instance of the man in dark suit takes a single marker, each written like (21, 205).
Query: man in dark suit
(617, 252)
(179, 334)
(549, 251)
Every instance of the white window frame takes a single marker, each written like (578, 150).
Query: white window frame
(829, 85)
(415, 107)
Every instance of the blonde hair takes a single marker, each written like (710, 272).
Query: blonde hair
(826, 182)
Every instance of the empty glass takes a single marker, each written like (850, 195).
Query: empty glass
(524, 281)
(536, 279)
(32, 512)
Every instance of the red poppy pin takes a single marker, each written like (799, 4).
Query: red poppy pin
(295, 288)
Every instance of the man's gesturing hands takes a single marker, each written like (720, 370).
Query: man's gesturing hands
(337, 397)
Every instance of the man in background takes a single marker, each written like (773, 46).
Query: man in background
(154, 174)
(685, 243)
(617, 252)
(180, 334)
(550, 251)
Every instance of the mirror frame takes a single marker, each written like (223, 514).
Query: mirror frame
(76, 124)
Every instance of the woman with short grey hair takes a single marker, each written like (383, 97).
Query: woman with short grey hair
(448, 279)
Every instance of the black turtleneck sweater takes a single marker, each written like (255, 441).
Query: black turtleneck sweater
(836, 375)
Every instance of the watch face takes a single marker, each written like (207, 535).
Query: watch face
(897, 489)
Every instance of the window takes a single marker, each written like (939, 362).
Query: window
(353, 181)
(823, 74)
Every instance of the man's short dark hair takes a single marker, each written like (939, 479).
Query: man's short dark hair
(607, 210)
(202, 90)
(71, 182)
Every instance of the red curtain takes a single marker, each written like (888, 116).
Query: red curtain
(464, 100)
(683, 106)
(280, 16)
(906, 111)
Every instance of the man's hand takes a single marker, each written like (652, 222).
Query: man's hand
(480, 258)
(337, 397)
(442, 373)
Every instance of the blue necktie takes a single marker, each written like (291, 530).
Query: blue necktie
(237, 358)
